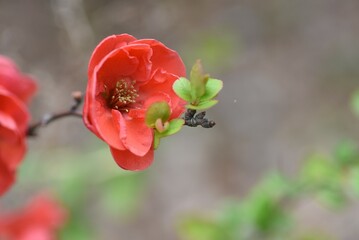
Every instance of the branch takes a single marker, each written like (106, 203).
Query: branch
(48, 118)
(193, 120)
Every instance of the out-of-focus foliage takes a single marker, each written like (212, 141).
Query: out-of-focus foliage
(216, 50)
(83, 180)
(198, 228)
(265, 212)
(287, 66)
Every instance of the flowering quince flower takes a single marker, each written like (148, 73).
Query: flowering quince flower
(39, 220)
(125, 77)
(16, 90)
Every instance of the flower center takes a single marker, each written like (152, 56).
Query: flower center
(121, 96)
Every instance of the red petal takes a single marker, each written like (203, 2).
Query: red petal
(12, 145)
(87, 109)
(157, 97)
(7, 178)
(162, 82)
(105, 47)
(135, 135)
(97, 116)
(106, 125)
(10, 105)
(137, 113)
(13, 80)
(45, 211)
(164, 58)
(129, 161)
(114, 66)
(142, 53)
(8, 127)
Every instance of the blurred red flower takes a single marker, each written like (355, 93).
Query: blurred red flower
(125, 77)
(15, 92)
(39, 220)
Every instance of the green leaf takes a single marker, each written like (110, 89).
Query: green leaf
(213, 87)
(174, 127)
(198, 81)
(203, 105)
(158, 110)
(182, 87)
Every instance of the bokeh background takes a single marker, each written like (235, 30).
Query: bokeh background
(289, 70)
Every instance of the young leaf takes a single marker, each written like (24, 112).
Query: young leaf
(157, 110)
(182, 87)
(213, 87)
(198, 81)
(203, 105)
(174, 127)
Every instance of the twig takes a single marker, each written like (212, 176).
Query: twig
(193, 120)
(48, 118)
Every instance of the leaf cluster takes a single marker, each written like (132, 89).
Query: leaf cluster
(200, 90)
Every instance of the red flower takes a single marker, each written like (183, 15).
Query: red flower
(15, 91)
(38, 221)
(126, 76)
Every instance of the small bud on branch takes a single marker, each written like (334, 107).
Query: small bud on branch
(193, 120)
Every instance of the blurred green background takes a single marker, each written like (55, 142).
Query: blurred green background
(284, 121)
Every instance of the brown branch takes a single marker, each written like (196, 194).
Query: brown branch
(48, 118)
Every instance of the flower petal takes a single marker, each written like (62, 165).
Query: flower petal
(164, 58)
(134, 133)
(87, 113)
(142, 53)
(12, 142)
(116, 65)
(130, 161)
(105, 47)
(161, 83)
(14, 81)
(10, 105)
(12, 151)
(106, 126)
(7, 178)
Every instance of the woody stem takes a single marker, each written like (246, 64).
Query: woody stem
(48, 118)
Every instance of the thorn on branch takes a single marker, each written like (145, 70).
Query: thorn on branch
(193, 120)
(48, 118)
